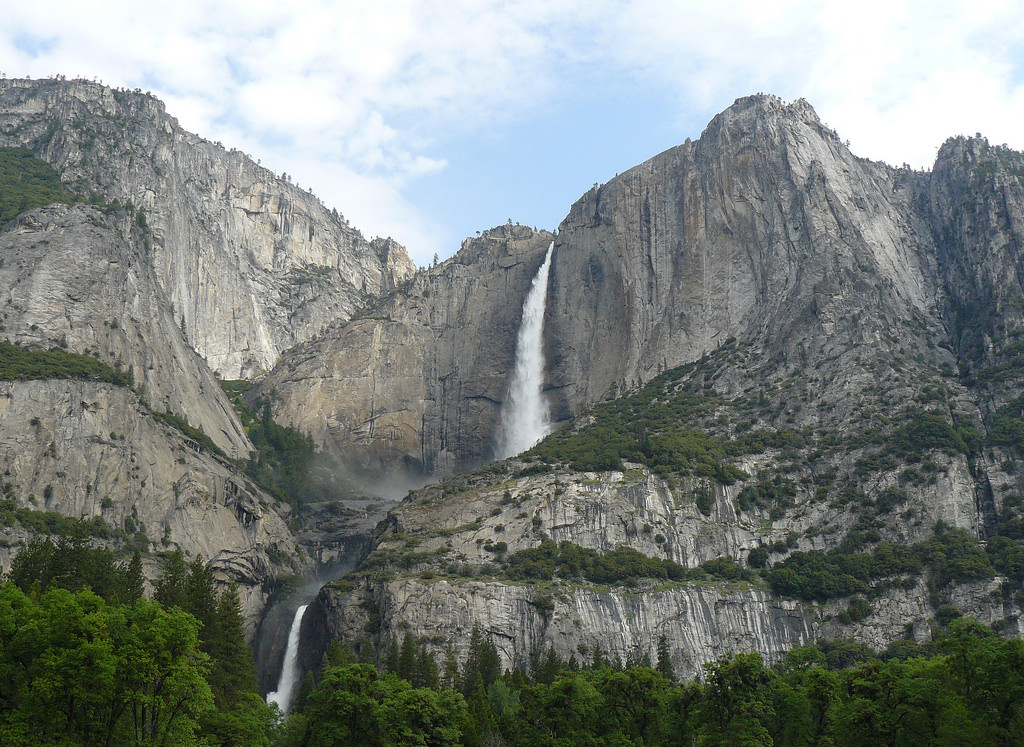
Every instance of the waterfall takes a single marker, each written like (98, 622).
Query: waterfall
(289, 667)
(524, 416)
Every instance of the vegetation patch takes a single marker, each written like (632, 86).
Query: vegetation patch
(1007, 426)
(952, 554)
(27, 182)
(50, 522)
(769, 493)
(925, 431)
(283, 460)
(966, 688)
(570, 561)
(18, 362)
(656, 427)
(196, 434)
(87, 659)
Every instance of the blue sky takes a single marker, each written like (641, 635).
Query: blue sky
(429, 121)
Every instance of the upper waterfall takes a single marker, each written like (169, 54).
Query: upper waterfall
(524, 417)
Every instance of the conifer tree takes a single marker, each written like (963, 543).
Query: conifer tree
(546, 667)
(391, 660)
(308, 686)
(450, 675)
(337, 654)
(170, 588)
(133, 582)
(200, 595)
(598, 661)
(483, 660)
(407, 659)
(665, 660)
(426, 674)
(233, 672)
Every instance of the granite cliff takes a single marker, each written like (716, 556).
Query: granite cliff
(789, 382)
(771, 355)
(251, 263)
(75, 278)
(180, 261)
(414, 384)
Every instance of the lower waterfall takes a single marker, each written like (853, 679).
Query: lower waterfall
(289, 667)
(524, 417)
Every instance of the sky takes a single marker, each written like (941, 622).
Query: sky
(430, 120)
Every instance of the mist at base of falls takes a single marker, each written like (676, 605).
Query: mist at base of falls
(525, 419)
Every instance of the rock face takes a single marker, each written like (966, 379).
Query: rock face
(767, 229)
(196, 261)
(868, 317)
(437, 569)
(76, 277)
(766, 226)
(62, 454)
(704, 623)
(414, 384)
(79, 277)
(821, 352)
(251, 263)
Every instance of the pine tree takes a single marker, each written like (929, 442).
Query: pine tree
(391, 661)
(546, 668)
(407, 659)
(516, 679)
(450, 675)
(233, 671)
(598, 662)
(365, 651)
(483, 660)
(426, 669)
(480, 711)
(132, 581)
(490, 662)
(308, 686)
(338, 654)
(665, 660)
(170, 588)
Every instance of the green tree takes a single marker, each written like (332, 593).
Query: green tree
(426, 674)
(805, 699)
(738, 703)
(407, 658)
(482, 661)
(665, 660)
(170, 589)
(354, 705)
(77, 670)
(635, 703)
(241, 717)
(133, 583)
(568, 710)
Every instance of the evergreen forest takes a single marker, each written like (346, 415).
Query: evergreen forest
(87, 658)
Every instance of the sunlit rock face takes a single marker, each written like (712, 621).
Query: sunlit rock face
(250, 262)
(848, 303)
(766, 227)
(76, 278)
(849, 306)
(414, 384)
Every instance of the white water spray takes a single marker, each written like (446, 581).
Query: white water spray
(289, 667)
(524, 416)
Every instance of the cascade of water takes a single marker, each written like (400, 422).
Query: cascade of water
(289, 667)
(524, 416)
